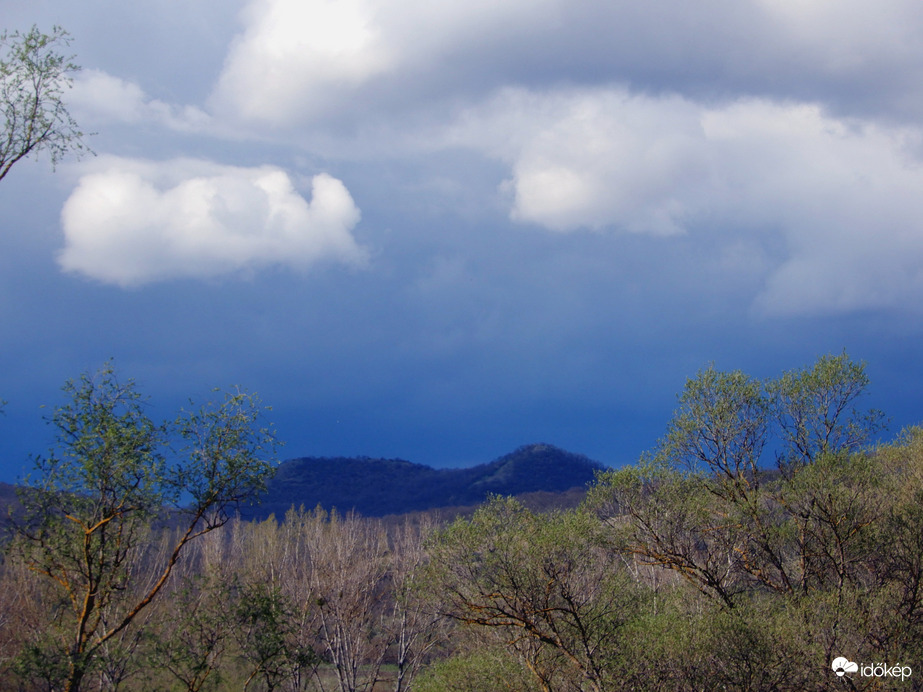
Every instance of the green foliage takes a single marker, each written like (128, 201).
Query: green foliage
(480, 671)
(821, 557)
(191, 644)
(41, 665)
(33, 78)
(265, 627)
(222, 457)
(705, 508)
(543, 581)
(88, 508)
(697, 568)
(721, 425)
(725, 420)
(816, 413)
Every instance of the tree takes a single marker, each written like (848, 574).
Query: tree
(194, 619)
(265, 622)
(415, 628)
(661, 517)
(815, 410)
(705, 505)
(484, 670)
(821, 554)
(33, 78)
(272, 609)
(347, 565)
(544, 582)
(721, 426)
(88, 510)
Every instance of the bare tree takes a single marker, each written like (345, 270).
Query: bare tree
(415, 626)
(271, 610)
(347, 569)
(193, 625)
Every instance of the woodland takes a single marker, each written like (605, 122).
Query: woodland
(766, 535)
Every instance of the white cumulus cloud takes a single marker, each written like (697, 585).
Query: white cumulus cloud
(295, 56)
(131, 222)
(789, 126)
(97, 96)
(595, 158)
(842, 194)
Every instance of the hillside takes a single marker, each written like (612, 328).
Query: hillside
(377, 487)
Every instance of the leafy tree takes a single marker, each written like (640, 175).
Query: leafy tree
(815, 410)
(661, 517)
(272, 609)
(264, 622)
(820, 555)
(89, 507)
(705, 506)
(721, 426)
(544, 583)
(700, 567)
(193, 635)
(33, 78)
(899, 560)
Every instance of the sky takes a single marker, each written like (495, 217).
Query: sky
(440, 231)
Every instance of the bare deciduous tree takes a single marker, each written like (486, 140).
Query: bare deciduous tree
(415, 625)
(347, 569)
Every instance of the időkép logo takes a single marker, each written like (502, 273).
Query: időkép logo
(843, 666)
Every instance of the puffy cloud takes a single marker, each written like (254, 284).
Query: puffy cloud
(597, 158)
(295, 55)
(296, 61)
(100, 97)
(778, 120)
(131, 222)
(842, 194)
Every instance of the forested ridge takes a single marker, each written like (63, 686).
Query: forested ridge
(769, 534)
(379, 487)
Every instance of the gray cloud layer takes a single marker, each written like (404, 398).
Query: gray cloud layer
(799, 117)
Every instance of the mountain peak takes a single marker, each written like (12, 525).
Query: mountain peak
(376, 487)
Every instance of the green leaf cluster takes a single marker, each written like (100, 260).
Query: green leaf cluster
(764, 536)
(89, 507)
(34, 76)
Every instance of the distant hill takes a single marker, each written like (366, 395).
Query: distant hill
(378, 487)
